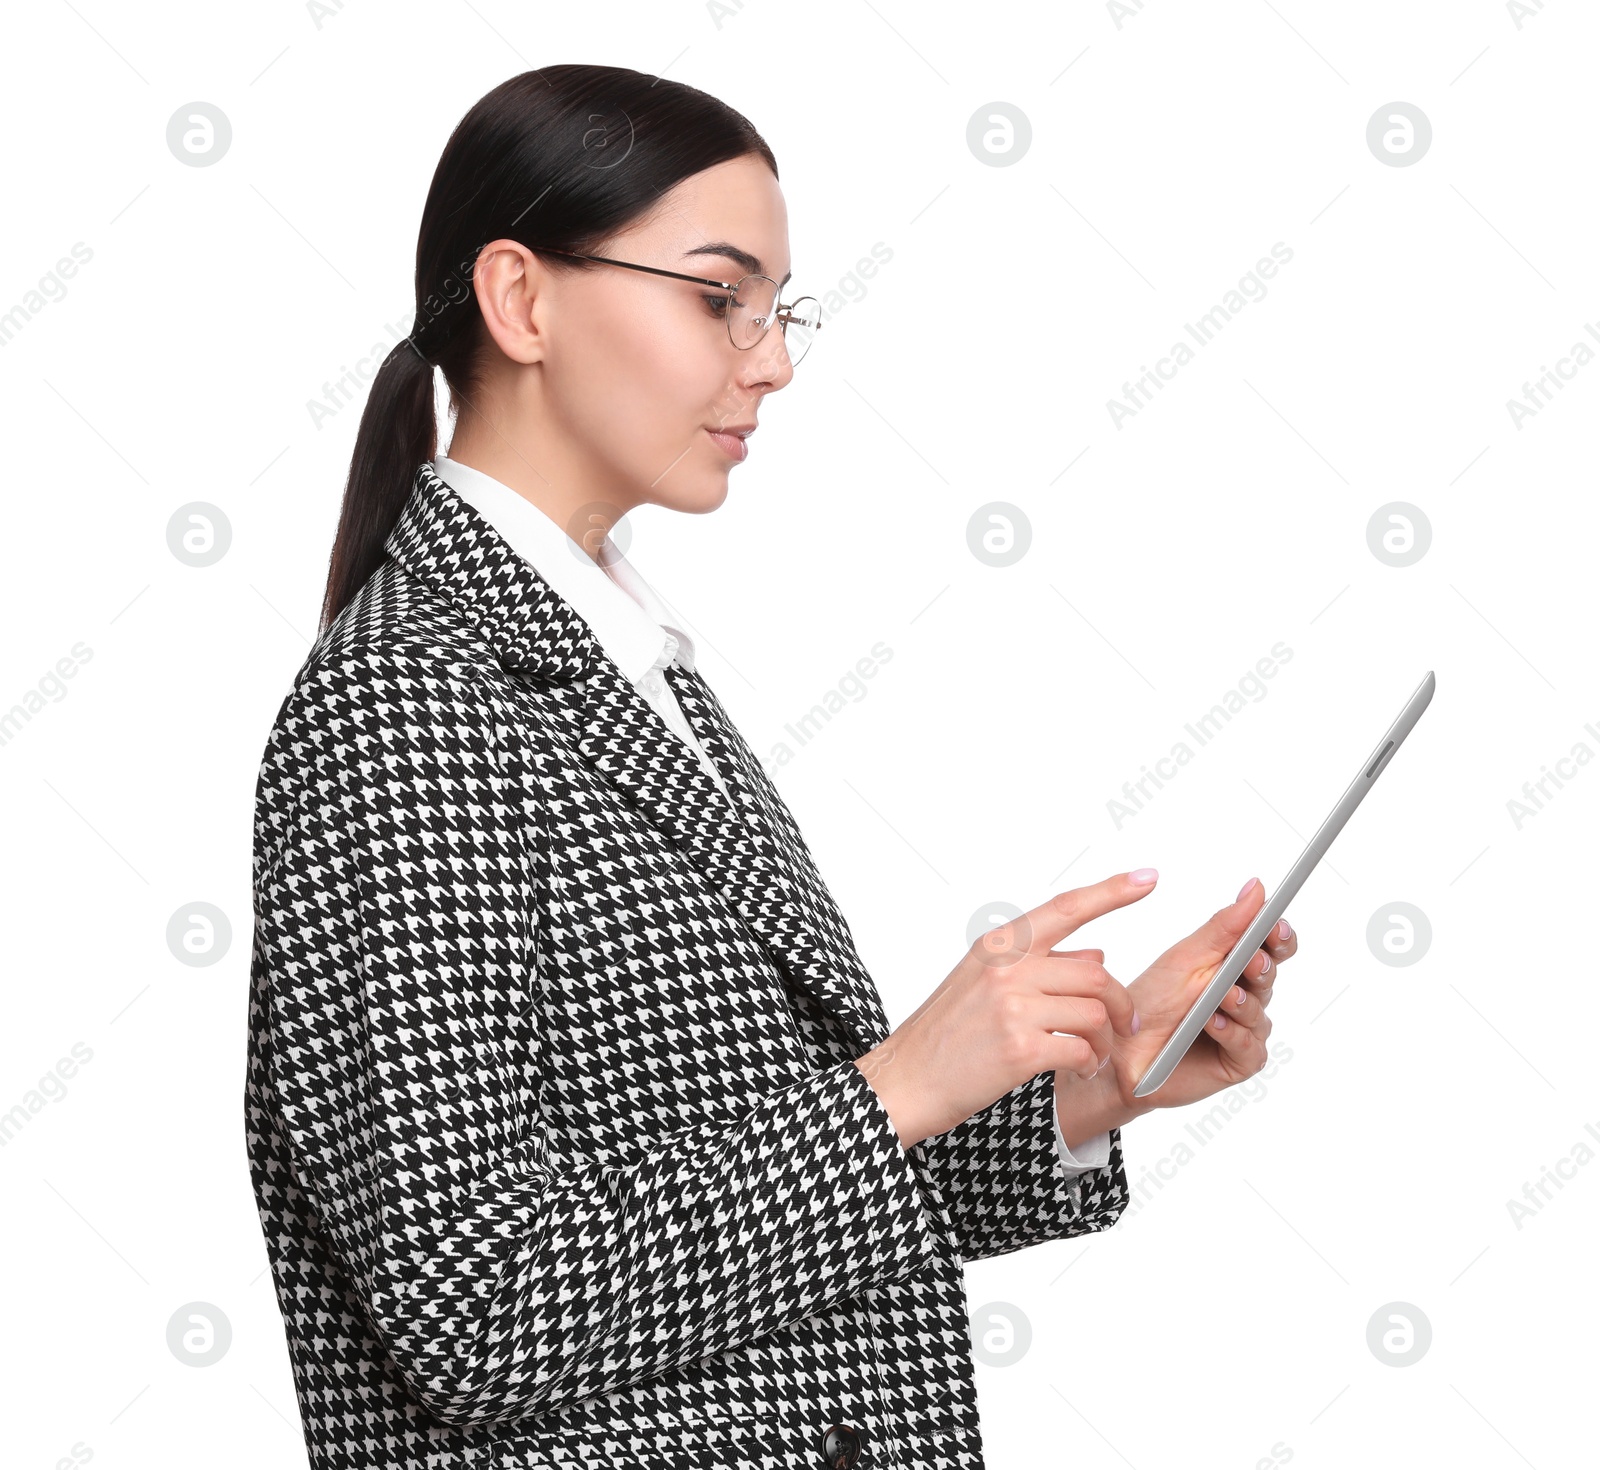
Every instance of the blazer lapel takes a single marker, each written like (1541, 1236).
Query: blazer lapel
(831, 969)
(740, 851)
(752, 855)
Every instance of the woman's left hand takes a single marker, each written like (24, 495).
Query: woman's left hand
(1233, 1047)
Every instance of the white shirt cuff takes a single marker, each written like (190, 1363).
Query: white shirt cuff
(1095, 1154)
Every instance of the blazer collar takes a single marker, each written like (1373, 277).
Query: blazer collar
(528, 625)
(750, 852)
(629, 619)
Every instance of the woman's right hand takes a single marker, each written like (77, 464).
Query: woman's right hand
(990, 1025)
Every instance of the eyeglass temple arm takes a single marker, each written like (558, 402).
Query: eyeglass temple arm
(783, 312)
(654, 270)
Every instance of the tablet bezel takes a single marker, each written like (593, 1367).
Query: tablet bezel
(1167, 1059)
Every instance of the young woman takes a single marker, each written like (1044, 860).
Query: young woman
(577, 1129)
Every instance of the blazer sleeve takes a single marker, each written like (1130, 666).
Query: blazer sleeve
(1001, 1181)
(391, 925)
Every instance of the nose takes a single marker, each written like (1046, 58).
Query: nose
(765, 367)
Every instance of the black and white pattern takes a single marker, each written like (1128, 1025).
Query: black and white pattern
(559, 1149)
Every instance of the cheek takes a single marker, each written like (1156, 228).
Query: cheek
(649, 386)
(677, 372)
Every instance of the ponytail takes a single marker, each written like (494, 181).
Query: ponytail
(399, 430)
(533, 140)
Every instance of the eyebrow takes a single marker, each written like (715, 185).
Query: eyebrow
(749, 263)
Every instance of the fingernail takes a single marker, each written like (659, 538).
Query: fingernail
(1247, 887)
(1238, 996)
(1134, 1029)
(1141, 876)
(1222, 1021)
(1284, 931)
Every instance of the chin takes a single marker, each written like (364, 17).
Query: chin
(692, 494)
(712, 494)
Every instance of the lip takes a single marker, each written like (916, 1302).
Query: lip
(731, 440)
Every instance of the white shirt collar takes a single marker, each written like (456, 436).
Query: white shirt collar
(637, 627)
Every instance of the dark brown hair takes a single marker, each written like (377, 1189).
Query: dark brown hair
(560, 158)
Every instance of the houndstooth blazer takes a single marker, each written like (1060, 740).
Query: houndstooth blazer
(559, 1148)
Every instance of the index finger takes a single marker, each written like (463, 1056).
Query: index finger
(1041, 929)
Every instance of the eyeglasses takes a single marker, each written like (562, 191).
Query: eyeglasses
(750, 308)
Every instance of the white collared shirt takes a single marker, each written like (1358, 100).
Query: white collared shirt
(638, 628)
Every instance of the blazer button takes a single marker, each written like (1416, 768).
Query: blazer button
(841, 1447)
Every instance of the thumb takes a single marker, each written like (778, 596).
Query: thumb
(1222, 930)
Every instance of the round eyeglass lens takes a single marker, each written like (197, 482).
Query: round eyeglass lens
(800, 329)
(755, 306)
(754, 302)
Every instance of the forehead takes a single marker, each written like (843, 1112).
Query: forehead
(737, 204)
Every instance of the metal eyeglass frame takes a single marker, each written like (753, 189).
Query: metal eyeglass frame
(781, 314)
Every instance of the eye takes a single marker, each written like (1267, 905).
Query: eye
(718, 305)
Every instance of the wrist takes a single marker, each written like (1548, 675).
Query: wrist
(1088, 1107)
(874, 1066)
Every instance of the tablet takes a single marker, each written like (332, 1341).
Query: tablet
(1278, 900)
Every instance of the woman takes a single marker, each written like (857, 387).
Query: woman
(576, 1126)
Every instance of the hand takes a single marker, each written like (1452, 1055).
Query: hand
(1223, 1055)
(997, 1019)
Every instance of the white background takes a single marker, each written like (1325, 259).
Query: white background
(1225, 1321)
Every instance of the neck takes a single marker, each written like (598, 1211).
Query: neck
(567, 497)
